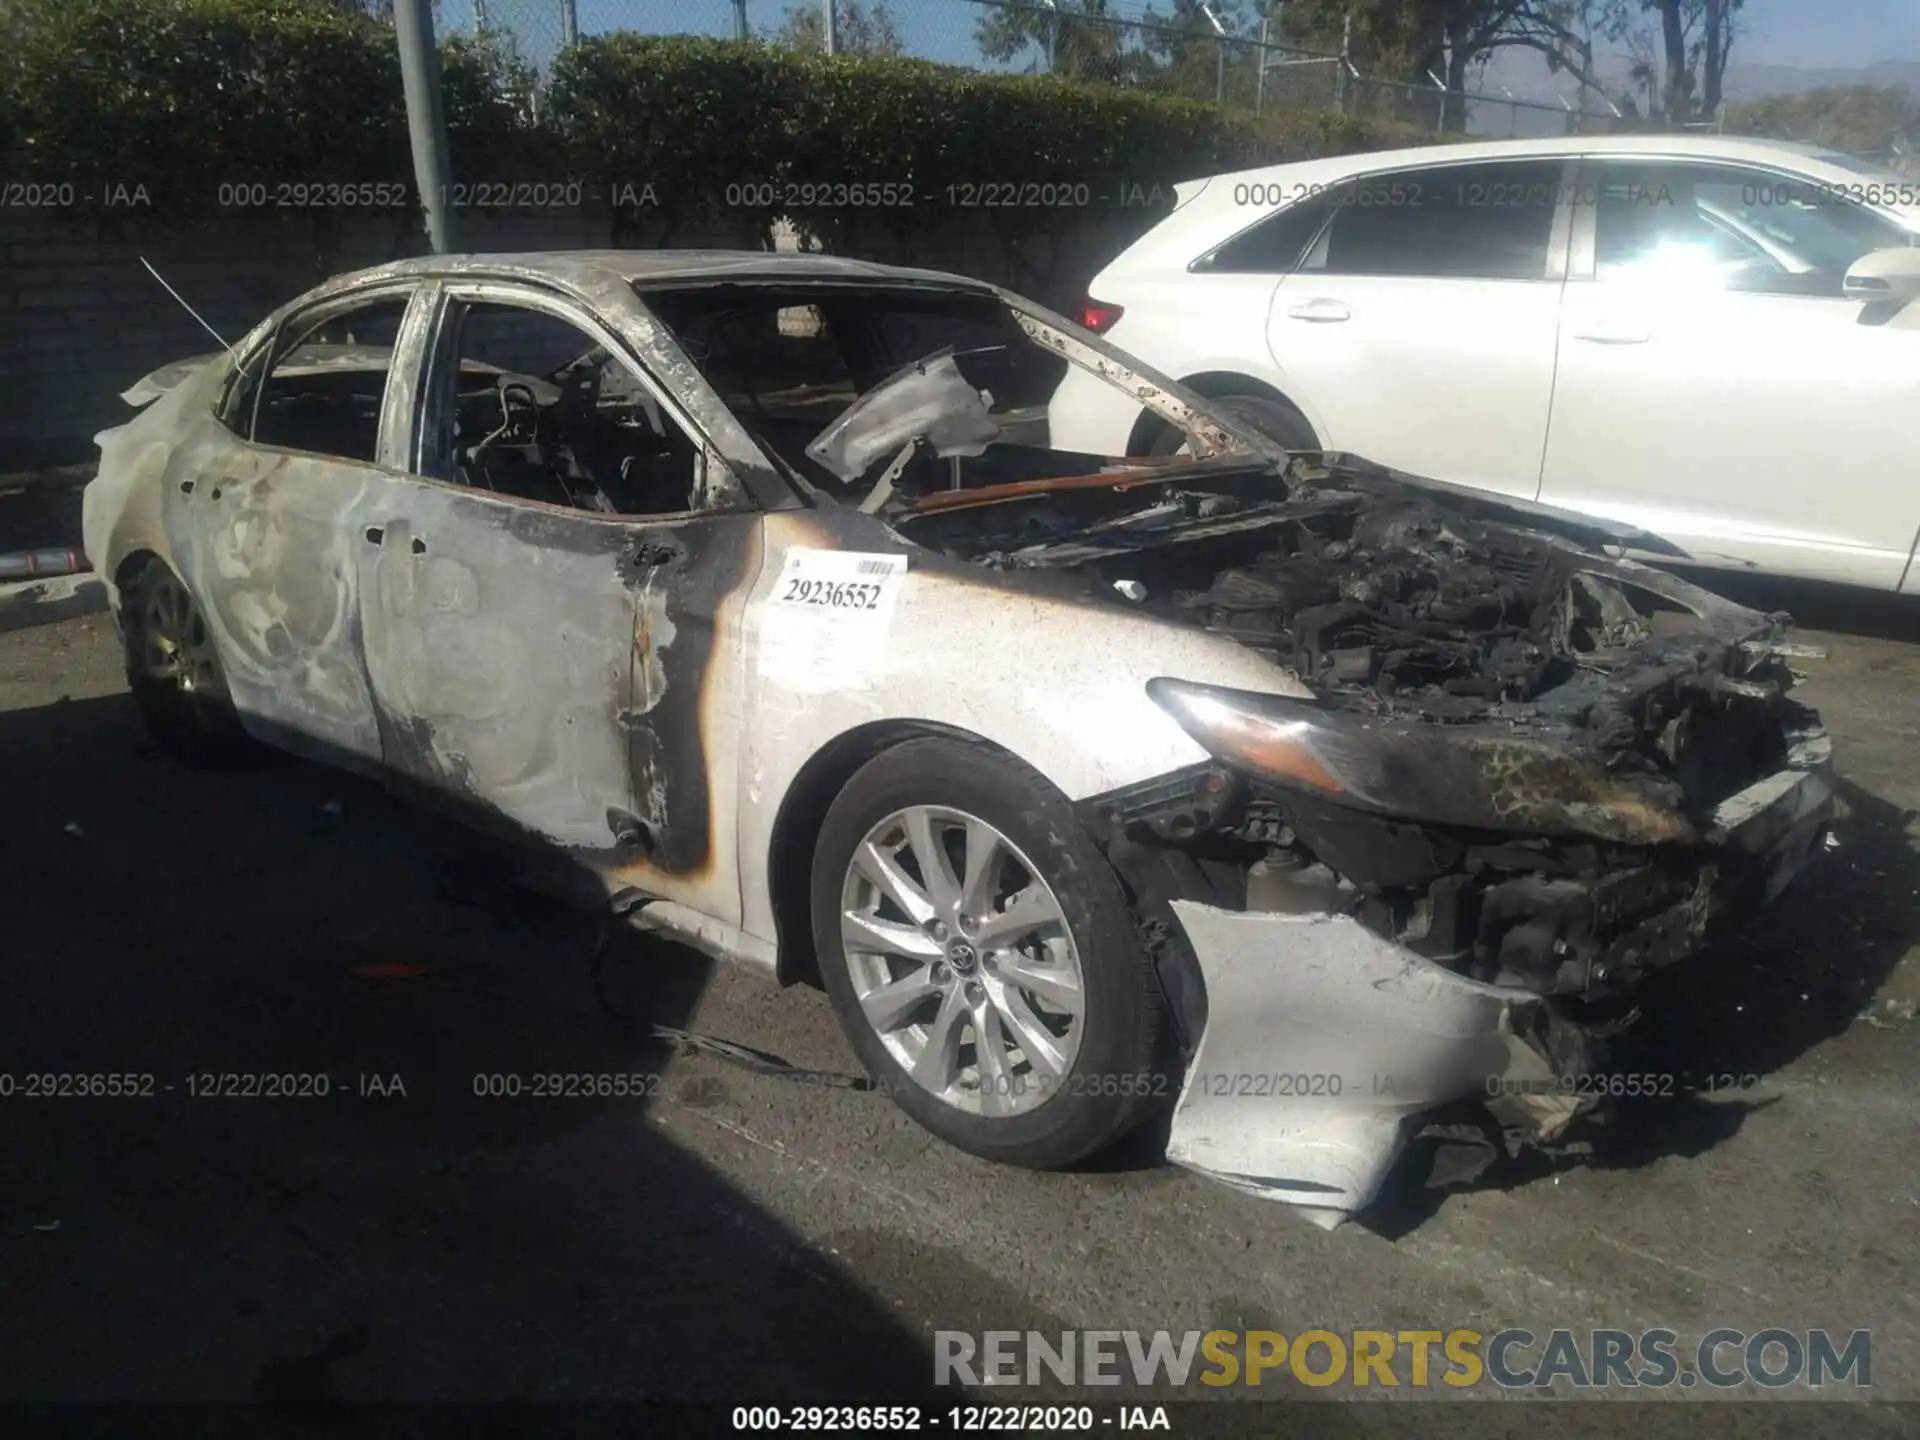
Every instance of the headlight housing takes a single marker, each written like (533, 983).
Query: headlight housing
(1474, 776)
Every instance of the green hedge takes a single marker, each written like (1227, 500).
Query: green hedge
(183, 95)
(180, 96)
(695, 115)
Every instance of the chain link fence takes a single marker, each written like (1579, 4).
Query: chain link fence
(1196, 61)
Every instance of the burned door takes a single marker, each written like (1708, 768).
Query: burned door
(540, 600)
(258, 513)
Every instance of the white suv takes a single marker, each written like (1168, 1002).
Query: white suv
(1708, 338)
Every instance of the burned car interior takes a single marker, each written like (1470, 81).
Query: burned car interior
(544, 412)
(790, 362)
(322, 391)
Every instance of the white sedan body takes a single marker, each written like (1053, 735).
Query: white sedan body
(500, 531)
(1651, 329)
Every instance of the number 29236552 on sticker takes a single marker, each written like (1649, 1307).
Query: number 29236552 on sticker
(826, 619)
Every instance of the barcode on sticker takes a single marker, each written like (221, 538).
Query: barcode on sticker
(874, 567)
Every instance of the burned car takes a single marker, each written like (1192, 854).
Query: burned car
(746, 593)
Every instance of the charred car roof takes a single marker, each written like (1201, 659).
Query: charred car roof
(645, 269)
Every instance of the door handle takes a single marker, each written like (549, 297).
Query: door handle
(1321, 312)
(1612, 335)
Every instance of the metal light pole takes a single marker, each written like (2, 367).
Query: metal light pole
(569, 21)
(1053, 33)
(426, 122)
(1260, 71)
(1220, 66)
(740, 31)
(832, 24)
(1346, 64)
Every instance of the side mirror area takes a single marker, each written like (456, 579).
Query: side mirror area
(1885, 277)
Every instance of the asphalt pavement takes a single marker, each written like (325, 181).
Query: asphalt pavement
(718, 1235)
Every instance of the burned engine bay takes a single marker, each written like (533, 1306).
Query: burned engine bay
(1521, 756)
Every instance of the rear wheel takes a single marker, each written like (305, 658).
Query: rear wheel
(174, 671)
(982, 958)
(1275, 419)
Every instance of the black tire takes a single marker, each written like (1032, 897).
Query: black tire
(1275, 419)
(1118, 1075)
(174, 672)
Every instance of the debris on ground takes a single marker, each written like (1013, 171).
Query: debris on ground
(1891, 1015)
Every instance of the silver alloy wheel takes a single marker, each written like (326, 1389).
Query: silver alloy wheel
(175, 647)
(962, 961)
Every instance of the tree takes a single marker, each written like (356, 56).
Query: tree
(1079, 39)
(1860, 119)
(859, 28)
(1677, 50)
(1411, 40)
(1177, 50)
(1185, 48)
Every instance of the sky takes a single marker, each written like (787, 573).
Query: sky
(1806, 33)
(1839, 34)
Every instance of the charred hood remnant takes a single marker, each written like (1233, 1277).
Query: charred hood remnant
(1521, 758)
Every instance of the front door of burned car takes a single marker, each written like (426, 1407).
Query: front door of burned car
(541, 598)
(259, 519)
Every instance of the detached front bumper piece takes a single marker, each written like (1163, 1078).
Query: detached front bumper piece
(1325, 1040)
(1322, 1042)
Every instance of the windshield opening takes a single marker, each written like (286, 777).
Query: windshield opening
(872, 393)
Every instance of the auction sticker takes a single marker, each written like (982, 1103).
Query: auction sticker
(825, 624)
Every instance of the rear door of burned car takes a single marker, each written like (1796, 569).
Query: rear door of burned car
(546, 595)
(258, 513)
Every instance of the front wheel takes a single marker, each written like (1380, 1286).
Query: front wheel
(982, 958)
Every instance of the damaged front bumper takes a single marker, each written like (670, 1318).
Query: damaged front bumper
(1324, 1040)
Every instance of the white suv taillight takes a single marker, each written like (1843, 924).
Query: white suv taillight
(1098, 316)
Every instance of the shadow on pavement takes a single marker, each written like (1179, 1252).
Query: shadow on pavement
(387, 1230)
